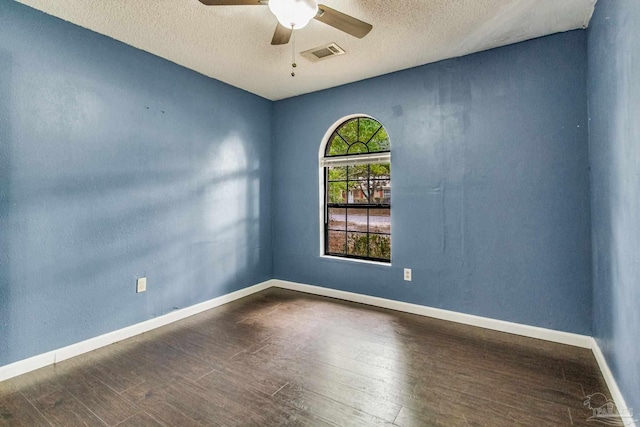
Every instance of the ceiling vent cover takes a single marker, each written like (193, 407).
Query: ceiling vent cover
(321, 53)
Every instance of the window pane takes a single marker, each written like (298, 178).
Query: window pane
(337, 218)
(337, 173)
(357, 219)
(357, 244)
(358, 148)
(380, 142)
(358, 172)
(358, 192)
(337, 192)
(337, 242)
(380, 171)
(337, 146)
(367, 128)
(380, 191)
(380, 246)
(349, 131)
(380, 221)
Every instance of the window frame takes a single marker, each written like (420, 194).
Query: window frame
(344, 160)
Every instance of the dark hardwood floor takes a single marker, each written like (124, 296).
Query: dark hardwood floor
(287, 358)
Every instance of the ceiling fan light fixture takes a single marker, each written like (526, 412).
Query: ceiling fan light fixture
(294, 14)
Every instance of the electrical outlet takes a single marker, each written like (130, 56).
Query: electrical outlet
(407, 274)
(141, 285)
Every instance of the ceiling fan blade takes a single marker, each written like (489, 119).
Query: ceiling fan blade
(282, 35)
(342, 22)
(232, 2)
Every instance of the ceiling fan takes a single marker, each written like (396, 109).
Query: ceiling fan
(295, 14)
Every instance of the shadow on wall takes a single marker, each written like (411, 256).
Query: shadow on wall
(228, 190)
(195, 237)
(222, 193)
(5, 202)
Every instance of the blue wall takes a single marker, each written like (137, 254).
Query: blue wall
(614, 151)
(116, 164)
(490, 193)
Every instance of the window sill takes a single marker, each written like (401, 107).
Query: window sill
(355, 260)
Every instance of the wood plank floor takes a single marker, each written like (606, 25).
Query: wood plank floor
(287, 358)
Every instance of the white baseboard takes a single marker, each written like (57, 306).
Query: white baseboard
(616, 394)
(576, 340)
(36, 362)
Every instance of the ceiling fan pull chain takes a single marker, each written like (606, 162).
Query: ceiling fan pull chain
(293, 53)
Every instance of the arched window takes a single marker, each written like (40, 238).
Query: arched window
(356, 165)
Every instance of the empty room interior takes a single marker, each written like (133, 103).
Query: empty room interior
(400, 213)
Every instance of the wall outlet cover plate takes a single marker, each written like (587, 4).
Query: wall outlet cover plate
(141, 285)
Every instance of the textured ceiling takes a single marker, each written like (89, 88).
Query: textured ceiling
(232, 43)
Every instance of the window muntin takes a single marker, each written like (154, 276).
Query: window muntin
(357, 172)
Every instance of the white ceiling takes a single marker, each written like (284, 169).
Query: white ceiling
(232, 43)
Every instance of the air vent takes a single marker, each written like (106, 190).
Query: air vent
(321, 53)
